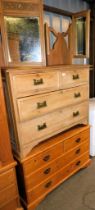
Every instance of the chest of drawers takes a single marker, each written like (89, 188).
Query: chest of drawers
(52, 162)
(44, 102)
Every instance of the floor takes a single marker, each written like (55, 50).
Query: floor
(77, 193)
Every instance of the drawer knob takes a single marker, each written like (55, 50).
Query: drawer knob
(48, 184)
(46, 158)
(47, 171)
(75, 76)
(77, 95)
(77, 151)
(78, 140)
(38, 81)
(42, 127)
(75, 114)
(78, 163)
(41, 105)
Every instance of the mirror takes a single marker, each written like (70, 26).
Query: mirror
(23, 36)
(81, 36)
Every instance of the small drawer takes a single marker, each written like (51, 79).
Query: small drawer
(34, 106)
(8, 194)
(76, 140)
(7, 178)
(40, 175)
(42, 159)
(27, 84)
(73, 78)
(42, 189)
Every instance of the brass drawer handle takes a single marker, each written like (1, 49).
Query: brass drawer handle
(77, 95)
(46, 158)
(78, 163)
(75, 76)
(77, 151)
(47, 171)
(48, 184)
(75, 114)
(42, 127)
(38, 81)
(78, 140)
(41, 105)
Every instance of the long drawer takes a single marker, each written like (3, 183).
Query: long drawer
(44, 127)
(6, 179)
(34, 106)
(45, 187)
(8, 194)
(27, 84)
(43, 173)
(73, 78)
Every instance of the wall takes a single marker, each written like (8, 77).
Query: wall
(68, 5)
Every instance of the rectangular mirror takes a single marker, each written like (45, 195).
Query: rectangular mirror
(81, 36)
(23, 38)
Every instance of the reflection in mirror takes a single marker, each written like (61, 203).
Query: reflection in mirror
(80, 34)
(23, 39)
(52, 39)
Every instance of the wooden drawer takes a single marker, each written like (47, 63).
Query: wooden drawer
(76, 140)
(27, 84)
(53, 181)
(12, 205)
(39, 129)
(73, 78)
(74, 166)
(34, 106)
(42, 159)
(40, 175)
(8, 194)
(7, 178)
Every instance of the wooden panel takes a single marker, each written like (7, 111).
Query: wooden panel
(74, 78)
(45, 187)
(35, 106)
(8, 194)
(43, 127)
(7, 178)
(76, 140)
(12, 205)
(27, 84)
(42, 158)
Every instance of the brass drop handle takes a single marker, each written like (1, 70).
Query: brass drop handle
(78, 140)
(42, 127)
(47, 171)
(77, 95)
(75, 114)
(78, 163)
(41, 105)
(46, 158)
(38, 81)
(48, 184)
(75, 76)
(77, 151)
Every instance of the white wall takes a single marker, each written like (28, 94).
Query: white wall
(68, 5)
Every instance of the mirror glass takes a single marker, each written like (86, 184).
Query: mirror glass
(81, 36)
(23, 39)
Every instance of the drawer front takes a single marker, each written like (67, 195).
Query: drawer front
(12, 205)
(44, 127)
(74, 166)
(42, 159)
(27, 84)
(74, 78)
(6, 179)
(7, 195)
(41, 175)
(34, 106)
(76, 140)
(48, 185)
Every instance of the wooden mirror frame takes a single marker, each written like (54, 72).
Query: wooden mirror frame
(85, 14)
(21, 8)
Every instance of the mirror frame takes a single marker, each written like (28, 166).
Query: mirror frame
(21, 8)
(85, 14)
